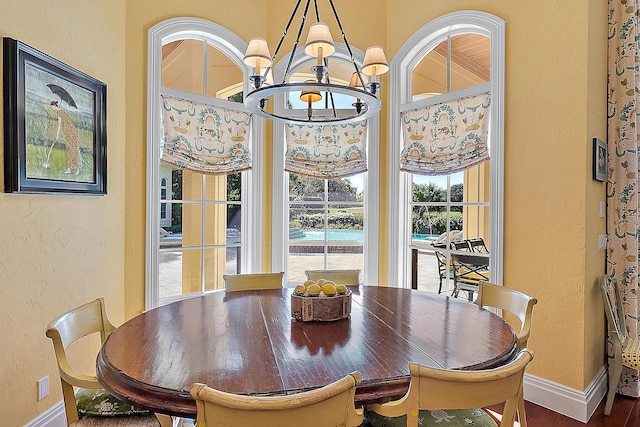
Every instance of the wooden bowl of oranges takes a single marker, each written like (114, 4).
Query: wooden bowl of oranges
(322, 300)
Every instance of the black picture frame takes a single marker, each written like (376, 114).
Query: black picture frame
(599, 160)
(55, 125)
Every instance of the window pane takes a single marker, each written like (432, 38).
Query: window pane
(342, 190)
(183, 65)
(215, 224)
(224, 78)
(304, 188)
(216, 263)
(476, 223)
(470, 60)
(170, 273)
(188, 185)
(429, 77)
(476, 183)
(191, 224)
(234, 186)
(191, 271)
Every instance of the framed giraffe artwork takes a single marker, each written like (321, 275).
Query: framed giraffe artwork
(55, 128)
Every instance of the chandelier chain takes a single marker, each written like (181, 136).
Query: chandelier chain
(284, 35)
(295, 45)
(346, 42)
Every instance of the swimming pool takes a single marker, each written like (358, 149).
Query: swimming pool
(333, 234)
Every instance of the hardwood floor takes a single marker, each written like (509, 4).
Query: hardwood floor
(625, 413)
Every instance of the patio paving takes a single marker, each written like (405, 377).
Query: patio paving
(170, 274)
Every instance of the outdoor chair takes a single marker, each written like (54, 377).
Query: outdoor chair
(91, 400)
(344, 277)
(626, 350)
(439, 397)
(468, 271)
(444, 270)
(252, 282)
(331, 405)
(477, 245)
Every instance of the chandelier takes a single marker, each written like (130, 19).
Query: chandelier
(363, 91)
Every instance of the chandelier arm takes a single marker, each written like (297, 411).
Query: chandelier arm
(295, 45)
(348, 46)
(315, 4)
(284, 35)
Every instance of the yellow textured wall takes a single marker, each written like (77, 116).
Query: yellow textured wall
(57, 252)
(60, 251)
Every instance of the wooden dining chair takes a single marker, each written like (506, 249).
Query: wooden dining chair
(331, 405)
(344, 277)
(90, 401)
(519, 305)
(626, 350)
(252, 282)
(439, 397)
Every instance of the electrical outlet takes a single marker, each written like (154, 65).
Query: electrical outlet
(602, 242)
(43, 387)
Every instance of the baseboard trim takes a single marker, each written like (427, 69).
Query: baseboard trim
(52, 417)
(579, 405)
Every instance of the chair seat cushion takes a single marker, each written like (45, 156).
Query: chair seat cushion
(631, 354)
(449, 418)
(123, 421)
(100, 402)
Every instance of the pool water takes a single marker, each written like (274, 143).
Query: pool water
(352, 235)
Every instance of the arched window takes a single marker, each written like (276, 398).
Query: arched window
(456, 56)
(318, 223)
(214, 219)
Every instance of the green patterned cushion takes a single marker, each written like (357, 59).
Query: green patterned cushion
(101, 402)
(459, 418)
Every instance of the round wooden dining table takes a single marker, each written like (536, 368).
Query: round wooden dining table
(246, 342)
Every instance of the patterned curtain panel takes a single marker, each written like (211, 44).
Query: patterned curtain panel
(326, 152)
(447, 137)
(203, 138)
(623, 148)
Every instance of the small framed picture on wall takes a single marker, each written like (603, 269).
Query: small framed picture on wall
(599, 160)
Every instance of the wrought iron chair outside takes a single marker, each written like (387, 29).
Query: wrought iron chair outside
(477, 245)
(626, 350)
(468, 271)
(331, 405)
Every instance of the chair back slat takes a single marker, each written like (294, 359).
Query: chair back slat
(613, 307)
(517, 303)
(345, 277)
(257, 281)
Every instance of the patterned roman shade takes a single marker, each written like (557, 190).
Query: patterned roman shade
(447, 137)
(204, 138)
(326, 152)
